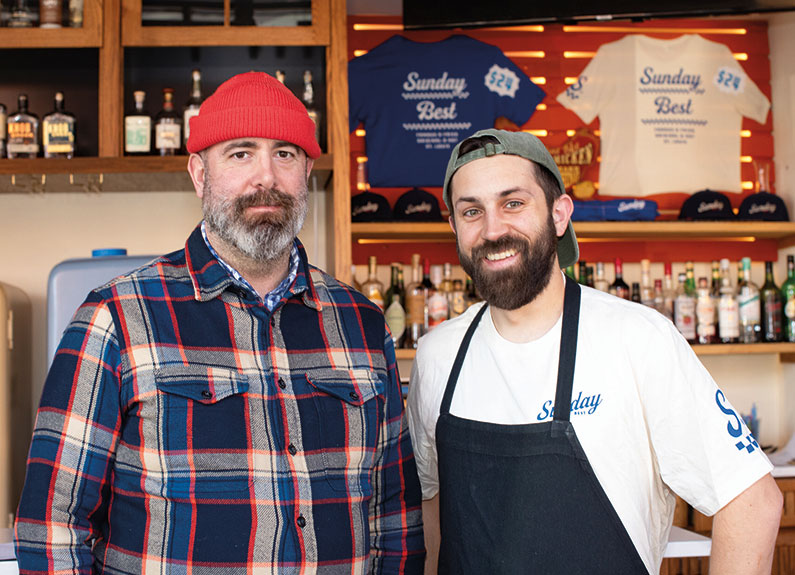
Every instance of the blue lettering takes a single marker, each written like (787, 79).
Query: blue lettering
(666, 106)
(546, 411)
(720, 399)
(646, 78)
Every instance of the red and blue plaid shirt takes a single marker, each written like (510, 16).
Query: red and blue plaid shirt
(184, 428)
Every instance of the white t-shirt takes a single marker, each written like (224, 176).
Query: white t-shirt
(670, 113)
(647, 413)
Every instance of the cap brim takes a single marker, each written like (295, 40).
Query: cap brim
(568, 251)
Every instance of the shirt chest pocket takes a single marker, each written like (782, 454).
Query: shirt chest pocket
(202, 440)
(342, 426)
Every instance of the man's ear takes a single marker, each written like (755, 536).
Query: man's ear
(562, 209)
(197, 173)
(451, 220)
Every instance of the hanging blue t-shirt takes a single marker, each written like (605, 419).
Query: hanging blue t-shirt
(417, 100)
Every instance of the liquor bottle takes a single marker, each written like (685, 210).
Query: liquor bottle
(58, 130)
(446, 287)
(690, 278)
(192, 105)
(394, 287)
(635, 294)
(569, 271)
(589, 276)
(168, 126)
(728, 308)
(669, 293)
(50, 13)
(426, 274)
(279, 75)
(471, 294)
(750, 308)
(770, 297)
(582, 273)
(21, 16)
(619, 287)
(395, 317)
(646, 289)
(75, 13)
(308, 98)
(415, 305)
(458, 303)
(788, 298)
(438, 306)
(685, 310)
(373, 288)
(715, 284)
(659, 300)
(3, 134)
(600, 282)
(23, 131)
(138, 128)
(705, 313)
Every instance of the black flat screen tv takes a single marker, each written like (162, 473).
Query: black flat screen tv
(445, 14)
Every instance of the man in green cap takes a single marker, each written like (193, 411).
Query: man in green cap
(553, 423)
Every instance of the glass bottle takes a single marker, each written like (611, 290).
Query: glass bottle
(138, 128)
(619, 287)
(395, 315)
(279, 75)
(373, 288)
(582, 273)
(415, 305)
(685, 310)
(659, 300)
(438, 306)
(21, 15)
(569, 271)
(23, 131)
(192, 105)
(3, 127)
(669, 292)
(635, 294)
(589, 276)
(728, 308)
(50, 13)
(458, 303)
(646, 289)
(770, 297)
(58, 130)
(168, 128)
(426, 274)
(788, 298)
(600, 282)
(750, 308)
(308, 98)
(715, 284)
(446, 287)
(75, 13)
(705, 313)
(471, 293)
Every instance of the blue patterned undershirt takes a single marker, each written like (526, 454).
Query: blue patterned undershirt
(273, 297)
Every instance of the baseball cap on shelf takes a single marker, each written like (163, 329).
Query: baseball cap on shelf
(526, 146)
(763, 206)
(253, 105)
(706, 205)
(370, 207)
(417, 205)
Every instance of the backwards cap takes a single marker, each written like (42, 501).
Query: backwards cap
(517, 144)
(252, 105)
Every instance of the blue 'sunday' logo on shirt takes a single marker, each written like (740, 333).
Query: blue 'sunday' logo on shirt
(580, 406)
(734, 427)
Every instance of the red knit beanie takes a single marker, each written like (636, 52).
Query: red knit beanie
(252, 105)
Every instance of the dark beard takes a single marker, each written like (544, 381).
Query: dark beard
(512, 288)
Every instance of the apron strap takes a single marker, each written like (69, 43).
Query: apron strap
(568, 350)
(459, 361)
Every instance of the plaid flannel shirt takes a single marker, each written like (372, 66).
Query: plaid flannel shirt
(184, 428)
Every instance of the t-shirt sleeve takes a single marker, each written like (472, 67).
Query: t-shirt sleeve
(586, 95)
(518, 97)
(422, 411)
(704, 450)
(732, 81)
(357, 100)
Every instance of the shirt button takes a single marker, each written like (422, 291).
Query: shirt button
(353, 395)
(291, 448)
(281, 383)
(206, 394)
(301, 521)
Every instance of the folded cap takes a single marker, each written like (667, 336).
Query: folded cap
(526, 146)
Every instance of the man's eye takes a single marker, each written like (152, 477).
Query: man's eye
(285, 153)
(240, 155)
(514, 204)
(468, 213)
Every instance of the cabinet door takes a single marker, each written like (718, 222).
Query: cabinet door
(225, 23)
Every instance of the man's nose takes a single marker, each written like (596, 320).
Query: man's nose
(264, 175)
(494, 226)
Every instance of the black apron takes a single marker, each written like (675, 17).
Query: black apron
(523, 498)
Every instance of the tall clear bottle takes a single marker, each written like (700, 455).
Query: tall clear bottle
(59, 131)
(23, 131)
(600, 282)
(669, 292)
(138, 128)
(750, 306)
(685, 309)
(728, 308)
(373, 288)
(788, 299)
(192, 105)
(415, 305)
(646, 288)
(438, 304)
(771, 307)
(168, 126)
(619, 287)
(395, 315)
(706, 331)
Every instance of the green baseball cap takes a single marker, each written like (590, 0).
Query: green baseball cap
(517, 144)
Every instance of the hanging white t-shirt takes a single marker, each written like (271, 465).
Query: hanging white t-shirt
(670, 114)
(649, 416)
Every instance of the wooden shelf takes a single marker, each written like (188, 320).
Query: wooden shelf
(125, 165)
(783, 232)
(786, 350)
(89, 36)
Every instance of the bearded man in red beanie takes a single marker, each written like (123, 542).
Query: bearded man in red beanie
(227, 408)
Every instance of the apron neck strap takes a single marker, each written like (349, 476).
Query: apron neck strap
(459, 361)
(568, 350)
